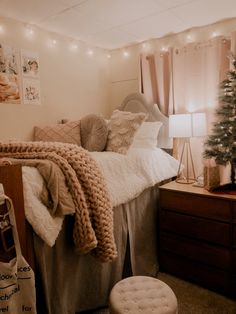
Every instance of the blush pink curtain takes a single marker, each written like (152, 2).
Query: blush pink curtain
(155, 82)
(155, 79)
(233, 43)
(198, 70)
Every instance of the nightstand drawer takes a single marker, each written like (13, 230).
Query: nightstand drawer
(197, 251)
(234, 211)
(198, 228)
(209, 277)
(234, 235)
(234, 261)
(196, 205)
(233, 289)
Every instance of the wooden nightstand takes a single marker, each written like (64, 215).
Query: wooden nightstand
(198, 236)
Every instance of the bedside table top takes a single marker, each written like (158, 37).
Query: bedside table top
(188, 188)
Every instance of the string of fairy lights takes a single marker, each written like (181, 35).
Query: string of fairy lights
(30, 32)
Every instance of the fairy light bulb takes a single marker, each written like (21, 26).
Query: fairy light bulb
(164, 49)
(90, 52)
(30, 31)
(2, 29)
(126, 54)
(189, 38)
(74, 46)
(214, 34)
(144, 45)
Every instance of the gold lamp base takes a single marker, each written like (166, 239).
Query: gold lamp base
(185, 180)
(186, 151)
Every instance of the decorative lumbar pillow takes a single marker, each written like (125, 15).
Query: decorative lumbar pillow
(66, 133)
(146, 136)
(93, 132)
(121, 130)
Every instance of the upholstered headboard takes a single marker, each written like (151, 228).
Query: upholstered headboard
(136, 102)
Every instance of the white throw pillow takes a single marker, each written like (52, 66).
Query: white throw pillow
(146, 136)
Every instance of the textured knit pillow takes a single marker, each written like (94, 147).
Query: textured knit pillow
(146, 136)
(93, 132)
(66, 133)
(121, 130)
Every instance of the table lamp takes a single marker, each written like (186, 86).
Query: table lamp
(186, 126)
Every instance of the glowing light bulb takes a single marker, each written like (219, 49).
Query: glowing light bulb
(214, 34)
(108, 56)
(90, 52)
(74, 46)
(126, 54)
(2, 29)
(29, 31)
(189, 38)
(164, 49)
(144, 45)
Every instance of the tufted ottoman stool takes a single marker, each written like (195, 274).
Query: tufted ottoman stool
(141, 294)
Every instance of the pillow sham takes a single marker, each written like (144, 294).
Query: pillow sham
(93, 132)
(146, 136)
(121, 130)
(64, 132)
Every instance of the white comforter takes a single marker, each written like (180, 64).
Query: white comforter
(126, 176)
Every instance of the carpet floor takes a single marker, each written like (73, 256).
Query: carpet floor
(192, 299)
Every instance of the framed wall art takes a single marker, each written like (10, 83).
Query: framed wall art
(31, 91)
(9, 75)
(30, 77)
(29, 64)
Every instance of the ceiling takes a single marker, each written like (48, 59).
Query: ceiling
(112, 24)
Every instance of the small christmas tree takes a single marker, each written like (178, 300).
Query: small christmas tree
(221, 144)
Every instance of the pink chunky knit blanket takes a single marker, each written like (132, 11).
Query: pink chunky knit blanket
(93, 224)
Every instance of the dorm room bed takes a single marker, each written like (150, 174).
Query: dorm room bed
(68, 282)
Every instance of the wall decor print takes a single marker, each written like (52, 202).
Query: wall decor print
(9, 75)
(31, 91)
(29, 64)
(30, 77)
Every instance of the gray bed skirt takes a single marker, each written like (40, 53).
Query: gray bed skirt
(67, 282)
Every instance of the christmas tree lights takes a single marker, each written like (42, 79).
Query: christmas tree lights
(221, 144)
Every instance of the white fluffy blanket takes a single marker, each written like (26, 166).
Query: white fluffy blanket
(37, 214)
(126, 176)
(129, 175)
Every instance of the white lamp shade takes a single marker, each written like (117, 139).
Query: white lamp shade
(199, 124)
(180, 125)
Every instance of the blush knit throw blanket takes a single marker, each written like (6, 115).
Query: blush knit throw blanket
(93, 224)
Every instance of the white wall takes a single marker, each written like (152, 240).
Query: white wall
(124, 74)
(73, 83)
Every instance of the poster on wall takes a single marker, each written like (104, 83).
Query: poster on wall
(9, 75)
(29, 64)
(30, 77)
(31, 91)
